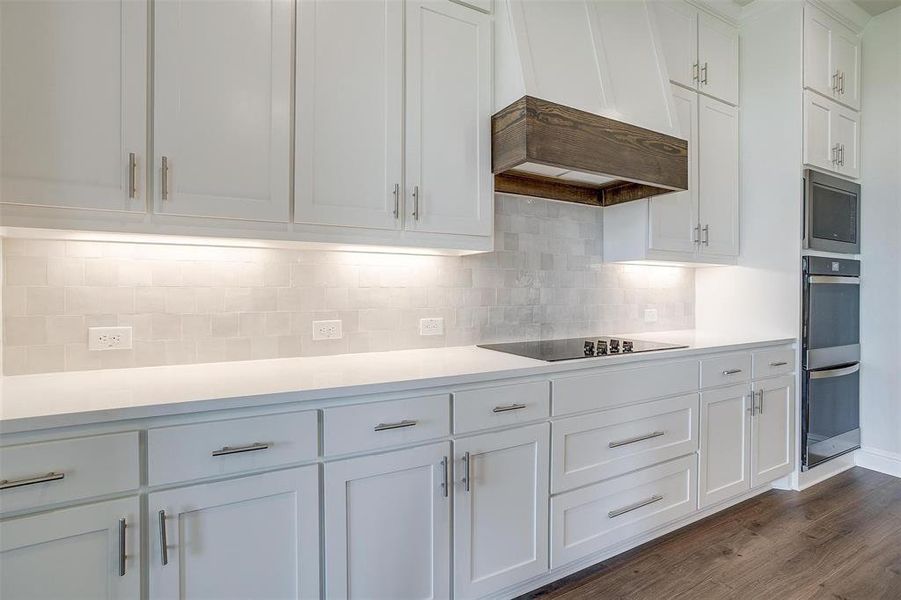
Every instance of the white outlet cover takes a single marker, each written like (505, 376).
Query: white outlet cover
(327, 330)
(650, 315)
(109, 338)
(433, 326)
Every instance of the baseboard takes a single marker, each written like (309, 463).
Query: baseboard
(879, 460)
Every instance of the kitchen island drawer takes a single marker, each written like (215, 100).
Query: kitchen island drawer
(600, 516)
(590, 448)
(40, 474)
(484, 408)
(773, 362)
(361, 427)
(199, 450)
(728, 369)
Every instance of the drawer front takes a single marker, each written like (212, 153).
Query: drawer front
(503, 405)
(725, 370)
(772, 363)
(45, 473)
(185, 452)
(384, 424)
(607, 389)
(591, 448)
(603, 515)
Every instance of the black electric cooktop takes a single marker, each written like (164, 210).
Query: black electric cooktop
(573, 348)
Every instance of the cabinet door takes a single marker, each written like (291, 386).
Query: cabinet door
(70, 146)
(673, 217)
(222, 108)
(718, 58)
(819, 145)
(818, 69)
(846, 135)
(387, 523)
(772, 430)
(718, 175)
(677, 24)
(73, 553)
(846, 62)
(448, 137)
(500, 510)
(725, 437)
(252, 537)
(349, 147)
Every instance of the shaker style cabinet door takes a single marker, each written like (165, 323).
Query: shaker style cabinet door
(719, 174)
(677, 23)
(717, 59)
(772, 430)
(349, 145)
(252, 537)
(725, 432)
(846, 133)
(73, 116)
(449, 184)
(222, 112)
(831, 58)
(90, 551)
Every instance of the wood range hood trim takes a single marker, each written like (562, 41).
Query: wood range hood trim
(640, 162)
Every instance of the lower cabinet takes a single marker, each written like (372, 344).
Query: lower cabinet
(252, 537)
(500, 509)
(89, 551)
(773, 430)
(387, 519)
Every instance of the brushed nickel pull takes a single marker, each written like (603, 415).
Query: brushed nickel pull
(226, 450)
(835, 82)
(396, 200)
(132, 174)
(731, 371)
(466, 467)
(760, 406)
(508, 408)
(636, 439)
(416, 202)
(780, 363)
(8, 484)
(444, 476)
(841, 83)
(842, 154)
(164, 547)
(641, 503)
(164, 175)
(122, 527)
(695, 72)
(835, 154)
(706, 231)
(704, 69)
(697, 236)
(753, 408)
(398, 425)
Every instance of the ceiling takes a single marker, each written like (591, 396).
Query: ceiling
(873, 7)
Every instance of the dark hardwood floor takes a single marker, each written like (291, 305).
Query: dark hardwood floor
(838, 540)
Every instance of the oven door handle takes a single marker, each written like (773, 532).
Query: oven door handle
(829, 373)
(829, 279)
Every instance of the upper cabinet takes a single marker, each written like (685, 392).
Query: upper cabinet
(831, 136)
(831, 58)
(701, 50)
(222, 108)
(73, 87)
(718, 166)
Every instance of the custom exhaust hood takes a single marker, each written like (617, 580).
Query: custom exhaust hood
(586, 113)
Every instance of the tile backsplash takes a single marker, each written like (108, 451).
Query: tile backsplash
(191, 304)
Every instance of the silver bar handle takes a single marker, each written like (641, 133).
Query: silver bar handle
(829, 373)
(396, 200)
(842, 151)
(706, 231)
(697, 236)
(696, 72)
(841, 83)
(416, 202)
(835, 154)
(444, 470)
(398, 425)
(641, 503)
(256, 446)
(164, 176)
(132, 174)
(466, 467)
(164, 543)
(760, 405)
(731, 371)
(8, 484)
(636, 439)
(122, 527)
(704, 70)
(753, 408)
(508, 408)
(780, 363)
(829, 280)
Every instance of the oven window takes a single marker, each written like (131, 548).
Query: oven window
(834, 318)
(833, 214)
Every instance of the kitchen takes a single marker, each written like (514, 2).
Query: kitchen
(450, 299)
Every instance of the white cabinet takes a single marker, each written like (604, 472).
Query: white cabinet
(701, 50)
(73, 87)
(222, 108)
(831, 58)
(719, 173)
(500, 510)
(252, 537)
(831, 136)
(387, 523)
(725, 437)
(90, 551)
(773, 430)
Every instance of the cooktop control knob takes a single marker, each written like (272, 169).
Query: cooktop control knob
(602, 348)
(627, 346)
(614, 346)
(589, 348)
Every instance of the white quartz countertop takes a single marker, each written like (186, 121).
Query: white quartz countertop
(30, 402)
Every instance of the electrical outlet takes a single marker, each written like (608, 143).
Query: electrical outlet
(109, 338)
(650, 315)
(327, 330)
(434, 326)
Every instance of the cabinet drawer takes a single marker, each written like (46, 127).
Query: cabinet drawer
(590, 448)
(606, 389)
(185, 452)
(770, 363)
(45, 473)
(502, 405)
(600, 516)
(725, 370)
(384, 424)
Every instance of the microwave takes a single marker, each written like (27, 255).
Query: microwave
(831, 213)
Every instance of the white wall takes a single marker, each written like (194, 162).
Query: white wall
(881, 234)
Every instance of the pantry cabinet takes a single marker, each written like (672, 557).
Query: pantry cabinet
(831, 58)
(83, 145)
(831, 136)
(252, 537)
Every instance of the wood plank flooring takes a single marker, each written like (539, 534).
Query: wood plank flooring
(838, 540)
